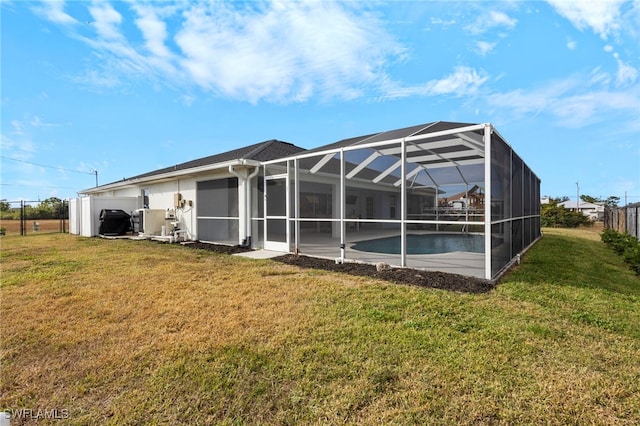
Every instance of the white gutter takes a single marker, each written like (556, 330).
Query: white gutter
(168, 175)
(247, 197)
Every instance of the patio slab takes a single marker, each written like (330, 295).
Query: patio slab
(260, 254)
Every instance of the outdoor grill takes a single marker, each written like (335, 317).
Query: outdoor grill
(114, 222)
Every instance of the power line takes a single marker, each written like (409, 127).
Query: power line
(50, 167)
(37, 186)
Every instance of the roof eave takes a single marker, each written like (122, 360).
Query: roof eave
(173, 174)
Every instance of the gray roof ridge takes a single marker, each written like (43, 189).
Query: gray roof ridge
(261, 146)
(427, 125)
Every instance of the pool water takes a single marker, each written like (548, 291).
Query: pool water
(424, 244)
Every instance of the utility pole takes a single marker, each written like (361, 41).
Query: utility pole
(95, 172)
(577, 196)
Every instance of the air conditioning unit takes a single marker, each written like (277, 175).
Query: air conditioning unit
(148, 222)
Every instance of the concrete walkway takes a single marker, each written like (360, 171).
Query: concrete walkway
(260, 254)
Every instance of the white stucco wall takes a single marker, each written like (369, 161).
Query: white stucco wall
(84, 212)
(161, 196)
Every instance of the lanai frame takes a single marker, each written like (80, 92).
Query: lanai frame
(511, 218)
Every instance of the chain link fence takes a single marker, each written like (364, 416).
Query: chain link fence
(623, 219)
(33, 217)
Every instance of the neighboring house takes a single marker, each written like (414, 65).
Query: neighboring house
(473, 198)
(594, 211)
(278, 196)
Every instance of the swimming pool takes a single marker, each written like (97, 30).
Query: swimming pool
(424, 244)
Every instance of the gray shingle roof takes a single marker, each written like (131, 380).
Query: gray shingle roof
(420, 129)
(275, 149)
(263, 151)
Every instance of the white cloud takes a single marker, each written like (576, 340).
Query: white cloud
(116, 60)
(496, 19)
(21, 149)
(17, 127)
(599, 77)
(573, 102)
(284, 52)
(94, 78)
(278, 52)
(491, 20)
(572, 44)
(443, 23)
(464, 81)
(608, 48)
(106, 20)
(601, 16)
(36, 121)
(188, 100)
(54, 11)
(626, 74)
(154, 30)
(484, 47)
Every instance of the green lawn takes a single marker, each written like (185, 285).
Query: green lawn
(124, 332)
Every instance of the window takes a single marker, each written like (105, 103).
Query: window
(369, 211)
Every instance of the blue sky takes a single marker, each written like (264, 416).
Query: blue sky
(128, 87)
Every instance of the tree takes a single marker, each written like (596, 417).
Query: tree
(589, 199)
(556, 216)
(612, 201)
(5, 208)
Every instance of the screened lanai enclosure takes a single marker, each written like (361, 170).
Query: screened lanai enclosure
(452, 197)
(446, 196)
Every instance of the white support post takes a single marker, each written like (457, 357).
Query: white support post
(487, 201)
(287, 186)
(264, 205)
(403, 204)
(297, 204)
(511, 253)
(437, 207)
(342, 206)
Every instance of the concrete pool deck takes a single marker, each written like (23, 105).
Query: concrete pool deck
(464, 263)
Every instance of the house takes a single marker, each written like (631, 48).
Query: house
(594, 211)
(382, 188)
(472, 198)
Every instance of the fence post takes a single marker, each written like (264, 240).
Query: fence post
(623, 220)
(23, 225)
(63, 213)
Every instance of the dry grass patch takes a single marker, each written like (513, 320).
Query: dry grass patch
(122, 332)
(12, 226)
(100, 316)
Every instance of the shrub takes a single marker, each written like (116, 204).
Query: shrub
(625, 245)
(554, 216)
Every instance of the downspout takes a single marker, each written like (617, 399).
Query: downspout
(242, 237)
(251, 175)
(247, 201)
